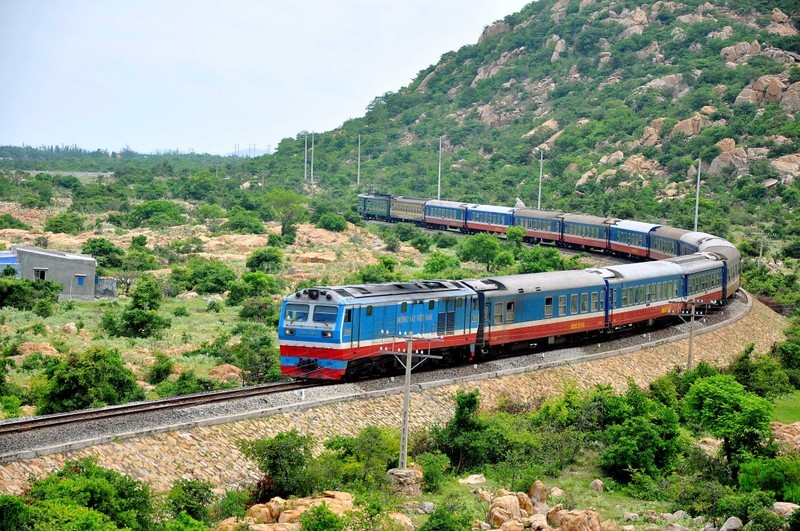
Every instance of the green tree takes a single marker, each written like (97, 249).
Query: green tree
(7, 221)
(97, 377)
(438, 262)
(243, 221)
(721, 406)
(67, 223)
(515, 234)
(482, 248)
(367, 456)
(139, 260)
(285, 460)
(332, 222)
(321, 518)
(108, 255)
(289, 206)
(434, 467)
(161, 370)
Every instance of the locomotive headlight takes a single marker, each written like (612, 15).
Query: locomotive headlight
(288, 331)
(327, 333)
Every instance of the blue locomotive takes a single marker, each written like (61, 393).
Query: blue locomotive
(336, 331)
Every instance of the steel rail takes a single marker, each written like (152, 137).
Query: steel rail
(73, 417)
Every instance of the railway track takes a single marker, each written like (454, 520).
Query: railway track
(61, 419)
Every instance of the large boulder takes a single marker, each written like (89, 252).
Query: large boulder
(784, 508)
(731, 524)
(525, 503)
(691, 126)
(780, 25)
(503, 509)
(730, 156)
(769, 89)
(588, 520)
(596, 485)
(554, 515)
(790, 100)
(538, 492)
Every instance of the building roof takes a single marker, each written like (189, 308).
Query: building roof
(50, 252)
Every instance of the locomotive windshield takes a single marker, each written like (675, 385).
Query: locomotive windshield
(296, 312)
(325, 314)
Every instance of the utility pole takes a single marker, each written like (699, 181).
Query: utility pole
(312, 162)
(305, 161)
(439, 185)
(358, 171)
(541, 162)
(697, 194)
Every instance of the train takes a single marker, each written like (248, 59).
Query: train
(338, 332)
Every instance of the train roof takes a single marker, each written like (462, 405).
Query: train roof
(634, 226)
(693, 263)
(448, 204)
(419, 288)
(492, 208)
(407, 199)
(533, 213)
(670, 232)
(535, 282)
(696, 238)
(377, 196)
(642, 271)
(584, 218)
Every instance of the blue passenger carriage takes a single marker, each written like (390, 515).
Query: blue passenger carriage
(325, 332)
(489, 218)
(585, 232)
(446, 214)
(702, 277)
(526, 308)
(665, 242)
(631, 237)
(641, 294)
(539, 225)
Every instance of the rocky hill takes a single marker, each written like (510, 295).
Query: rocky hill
(620, 98)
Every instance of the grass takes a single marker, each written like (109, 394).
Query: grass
(787, 409)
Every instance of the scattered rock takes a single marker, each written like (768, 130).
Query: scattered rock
(503, 509)
(538, 492)
(608, 525)
(730, 156)
(790, 100)
(630, 517)
(549, 124)
(475, 479)
(780, 24)
(596, 485)
(559, 47)
(402, 520)
(555, 492)
(69, 328)
(492, 30)
(587, 520)
(723, 34)
(29, 347)
(731, 523)
(188, 296)
(672, 526)
(612, 159)
(554, 515)
(691, 126)
(784, 508)
(226, 373)
(512, 525)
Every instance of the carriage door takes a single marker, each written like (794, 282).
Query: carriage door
(355, 326)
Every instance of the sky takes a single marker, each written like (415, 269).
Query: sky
(205, 76)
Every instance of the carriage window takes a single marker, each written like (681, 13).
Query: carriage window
(459, 303)
(510, 312)
(296, 312)
(369, 311)
(348, 315)
(584, 302)
(403, 307)
(562, 305)
(624, 297)
(474, 304)
(498, 313)
(548, 307)
(594, 301)
(430, 304)
(640, 296)
(573, 304)
(325, 314)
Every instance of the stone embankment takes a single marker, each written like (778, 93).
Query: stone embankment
(210, 453)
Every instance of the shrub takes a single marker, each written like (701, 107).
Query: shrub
(204, 276)
(43, 308)
(214, 306)
(392, 243)
(421, 243)
(138, 259)
(332, 222)
(321, 518)
(192, 497)
(108, 255)
(159, 213)
(23, 294)
(97, 377)
(438, 262)
(7, 221)
(285, 459)
(260, 310)
(161, 369)
(122, 500)
(434, 467)
(180, 311)
(444, 241)
(407, 232)
(266, 259)
(451, 516)
(243, 221)
(187, 383)
(67, 223)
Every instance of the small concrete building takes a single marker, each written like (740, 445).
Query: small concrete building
(75, 272)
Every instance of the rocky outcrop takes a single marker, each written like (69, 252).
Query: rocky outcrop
(740, 52)
(559, 47)
(784, 508)
(651, 134)
(551, 124)
(652, 51)
(691, 126)
(787, 434)
(730, 156)
(771, 89)
(588, 520)
(614, 158)
(639, 165)
(672, 81)
(495, 29)
(493, 68)
(407, 482)
(780, 25)
(634, 21)
(724, 33)
(788, 166)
